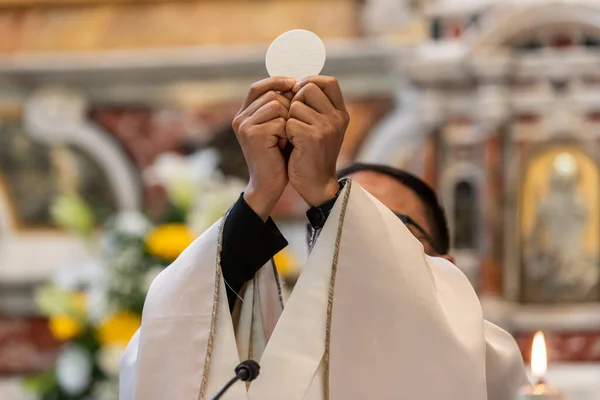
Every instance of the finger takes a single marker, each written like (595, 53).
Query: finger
(274, 128)
(313, 96)
(264, 99)
(271, 110)
(278, 83)
(329, 85)
(288, 95)
(295, 129)
(304, 113)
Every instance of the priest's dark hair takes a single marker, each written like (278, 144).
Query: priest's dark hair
(435, 212)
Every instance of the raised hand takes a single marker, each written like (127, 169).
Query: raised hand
(316, 123)
(260, 129)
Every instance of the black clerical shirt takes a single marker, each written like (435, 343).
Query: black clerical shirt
(249, 242)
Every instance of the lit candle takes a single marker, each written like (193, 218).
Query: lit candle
(539, 364)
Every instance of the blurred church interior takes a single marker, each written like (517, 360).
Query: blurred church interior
(496, 103)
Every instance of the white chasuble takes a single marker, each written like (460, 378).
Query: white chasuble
(371, 316)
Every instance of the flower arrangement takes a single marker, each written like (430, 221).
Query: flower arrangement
(95, 308)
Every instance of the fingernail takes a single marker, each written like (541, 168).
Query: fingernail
(290, 81)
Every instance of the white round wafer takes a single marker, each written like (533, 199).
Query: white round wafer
(298, 53)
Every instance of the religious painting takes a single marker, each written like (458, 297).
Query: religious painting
(559, 223)
(32, 174)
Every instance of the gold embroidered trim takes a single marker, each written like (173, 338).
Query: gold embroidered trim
(215, 309)
(213, 318)
(278, 282)
(336, 250)
(252, 321)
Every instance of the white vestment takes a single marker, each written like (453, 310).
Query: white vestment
(370, 317)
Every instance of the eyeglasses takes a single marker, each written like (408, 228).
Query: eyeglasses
(408, 221)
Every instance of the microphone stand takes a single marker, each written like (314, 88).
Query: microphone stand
(246, 371)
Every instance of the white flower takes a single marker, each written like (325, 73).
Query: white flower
(204, 165)
(107, 390)
(78, 275)
(97, 303)
(213, 202)
(73, 370)
(149, 277)
(132, 223)
(182, 177)
(109, 359)
(127, 260)
(70, 278)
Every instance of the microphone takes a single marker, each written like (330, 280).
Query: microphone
(246, 371)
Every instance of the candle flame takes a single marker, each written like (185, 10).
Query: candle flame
(539, 360)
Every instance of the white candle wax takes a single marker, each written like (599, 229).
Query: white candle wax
(540, 391)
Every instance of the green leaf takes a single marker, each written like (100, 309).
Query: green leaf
(73, 214)
(41, 383)
(53, 300)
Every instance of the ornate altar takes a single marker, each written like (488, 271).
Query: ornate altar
(500, 112)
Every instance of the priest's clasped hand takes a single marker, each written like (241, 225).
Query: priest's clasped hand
(309, 114)
(260, 130)
(316, 125)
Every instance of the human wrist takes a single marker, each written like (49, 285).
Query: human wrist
(260, 201)
(321, 193)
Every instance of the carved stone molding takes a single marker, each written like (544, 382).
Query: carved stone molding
(462, 135)
(494, 67)
(513, 316)
(492, 106)
(55, 115)
(380, 16)
(507, 22)
(163, 76)
(431, 108)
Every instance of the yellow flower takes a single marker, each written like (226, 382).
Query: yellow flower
(119, 328)
(67, 324)
(169, 240)
(285, 263)
(64, 327)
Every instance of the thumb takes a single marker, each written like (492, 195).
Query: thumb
(282, 143)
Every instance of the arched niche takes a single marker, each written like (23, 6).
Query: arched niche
(55, 135)
(465, 235)
(558, 226)
(58, 116)
(34, 173)
(462, 188)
